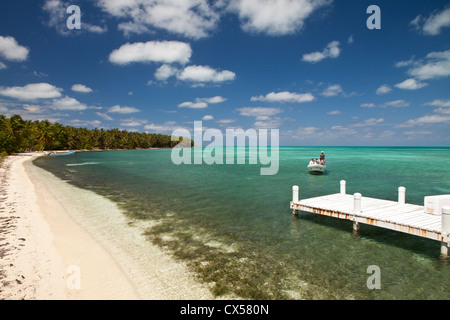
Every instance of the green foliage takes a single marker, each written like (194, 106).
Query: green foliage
(18, 135)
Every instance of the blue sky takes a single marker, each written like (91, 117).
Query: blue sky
(312, 69)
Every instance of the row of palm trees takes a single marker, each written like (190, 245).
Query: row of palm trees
(18, 135)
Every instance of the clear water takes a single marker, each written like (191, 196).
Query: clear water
(234, 229)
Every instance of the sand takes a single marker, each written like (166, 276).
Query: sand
(59, 242)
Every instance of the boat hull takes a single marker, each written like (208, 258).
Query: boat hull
(317, 169)
(61, 153)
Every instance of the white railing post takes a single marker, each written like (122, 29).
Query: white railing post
(295, 198)
(295, 194)
(445, 231)
(401, 195)
(343, 183)
(356, 210)
(357, 203)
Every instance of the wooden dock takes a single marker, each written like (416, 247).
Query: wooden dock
(393, 215)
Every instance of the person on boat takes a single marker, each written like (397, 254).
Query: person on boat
(322, 158)
(312, 162)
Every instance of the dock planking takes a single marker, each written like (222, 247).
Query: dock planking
(394, 215)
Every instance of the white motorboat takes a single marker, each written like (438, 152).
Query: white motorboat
(317, 168)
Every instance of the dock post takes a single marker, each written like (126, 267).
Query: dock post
(295, 197)
(401, 195)
(343, 183)
(356, 210)
(445, 231)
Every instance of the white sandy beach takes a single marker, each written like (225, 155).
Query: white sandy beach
(60, 242)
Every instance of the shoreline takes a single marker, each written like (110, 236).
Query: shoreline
(59, 242)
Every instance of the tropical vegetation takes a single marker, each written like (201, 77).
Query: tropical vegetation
(19, 135)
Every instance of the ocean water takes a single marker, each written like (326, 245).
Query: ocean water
(234, 229)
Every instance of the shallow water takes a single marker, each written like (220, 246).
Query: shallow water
(235, 230)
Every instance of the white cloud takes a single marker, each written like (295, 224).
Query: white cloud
(201, 103)
(168, 126)
(404, 63)
(427, 119)
(396, 104)
(332, 50)
(439, 103)
(225, 121)
(2, 66)
(260, 113)
(205, 74)
(68, 104)
(193, 105)
(434, 65)
(285, 97)
(350, 39)
(31, 92)
(123, 110)
(165, 72)
(334, 112)
(332, 91)
(81, 88)
(434, 23)
(11, 50)
(133, 122)
(208, 117)
(190, 18)
(411, 84)
(274, 17)
(104, 116)
(383, 89)
(368, 122)
(57, 11)
(152, 51)
(268, 124)
(213, 100)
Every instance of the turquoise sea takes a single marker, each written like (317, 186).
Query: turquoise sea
(234, 229)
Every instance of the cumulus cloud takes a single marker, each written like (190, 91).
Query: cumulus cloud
(11, 50)
(68, 104)
(285, 96)
(57, 12)
(439, 103)
(396, 104)
(201, 103)
(332, 50)
(260, 113)
(383, 89)
(190, 18)
(165, 72)
(168, 126)
(411, 84)
(393, 104)
(433, 24)
(193, 105)
(123, 110)
(205, 74)
(332, 91)
(81, 88)
(152, 51)
(274, 17)
(434, 65)
(208, 117)
(428, 119)
(31, 92)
